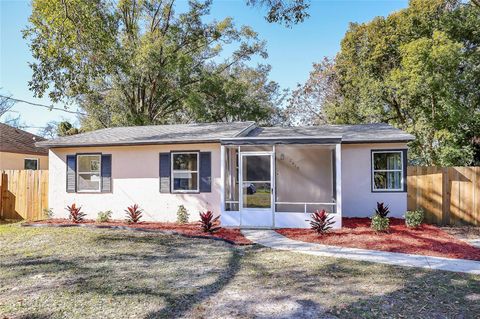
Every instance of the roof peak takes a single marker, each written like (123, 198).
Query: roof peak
(15, 140)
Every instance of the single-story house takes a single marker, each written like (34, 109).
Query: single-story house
(249, 175)
(18, 150)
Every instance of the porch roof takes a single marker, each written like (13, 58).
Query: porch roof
(324, 134)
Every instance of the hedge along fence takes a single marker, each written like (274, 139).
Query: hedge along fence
(448, 195)
(24, 194)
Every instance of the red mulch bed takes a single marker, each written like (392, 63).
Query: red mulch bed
(231, 235)
(427, 240)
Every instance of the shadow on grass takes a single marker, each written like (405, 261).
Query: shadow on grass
(424, 294)
(352, 289)
(417, 292)
(177, 272)
(10, 221)
(175, 275)
(178, 304)
(35, 316)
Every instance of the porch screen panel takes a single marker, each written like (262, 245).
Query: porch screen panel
(304, 175)
(257, 187)
(231, 179)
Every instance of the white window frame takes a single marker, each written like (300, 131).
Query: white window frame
(90, 173)
(172, 177)
(373, 171)
(31, 159)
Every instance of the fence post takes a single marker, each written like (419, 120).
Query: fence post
(445, 196)
(476, 199)
(1, 194)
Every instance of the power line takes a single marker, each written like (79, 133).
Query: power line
(51, 107)
(27, 126)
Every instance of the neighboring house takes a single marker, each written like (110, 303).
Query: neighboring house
(252, 176)
(18, 150)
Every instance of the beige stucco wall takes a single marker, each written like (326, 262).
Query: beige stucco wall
(16, 160)
(135, 179)
(358, 200)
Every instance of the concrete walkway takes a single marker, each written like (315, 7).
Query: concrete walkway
(474, 242)
(272, 239)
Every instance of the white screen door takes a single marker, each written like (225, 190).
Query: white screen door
(256, 189)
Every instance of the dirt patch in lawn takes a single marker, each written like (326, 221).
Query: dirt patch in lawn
(231, 235)
(427, 240)
(463, 232)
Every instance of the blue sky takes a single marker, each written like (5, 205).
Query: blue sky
(291, 51)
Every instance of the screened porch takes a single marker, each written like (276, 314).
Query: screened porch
(279, 185)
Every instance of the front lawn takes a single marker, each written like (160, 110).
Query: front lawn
(427, 240)
(101, 273)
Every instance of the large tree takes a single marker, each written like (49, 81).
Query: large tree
(290, 12)
(238, 93)
(417, 69)
(308, 101)
(286, 12)
(136, 62)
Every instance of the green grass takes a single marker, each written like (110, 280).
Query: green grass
(258, 200)
(94, 273)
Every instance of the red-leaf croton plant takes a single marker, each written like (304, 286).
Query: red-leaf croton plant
(76, 215)
(134, 213)
(321, 222)
(208, 222)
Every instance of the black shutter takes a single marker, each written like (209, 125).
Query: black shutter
(205, 172)
(106, 173)
(164, 172)
(71, 173)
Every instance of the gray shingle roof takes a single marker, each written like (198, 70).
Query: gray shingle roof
(15, 140)
(230, 133)
(154, 134)
(376, 132)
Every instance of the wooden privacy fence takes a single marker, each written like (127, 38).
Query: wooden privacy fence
(24, 194)
(448, 195)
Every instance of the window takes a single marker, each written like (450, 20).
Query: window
(88, 173)
(185, 172)
(387, 171)
(31, 163)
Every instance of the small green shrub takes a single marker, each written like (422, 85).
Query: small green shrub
(414, 218)
(379, 223)
(182, 215)
(103, 217)
(48, 213)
